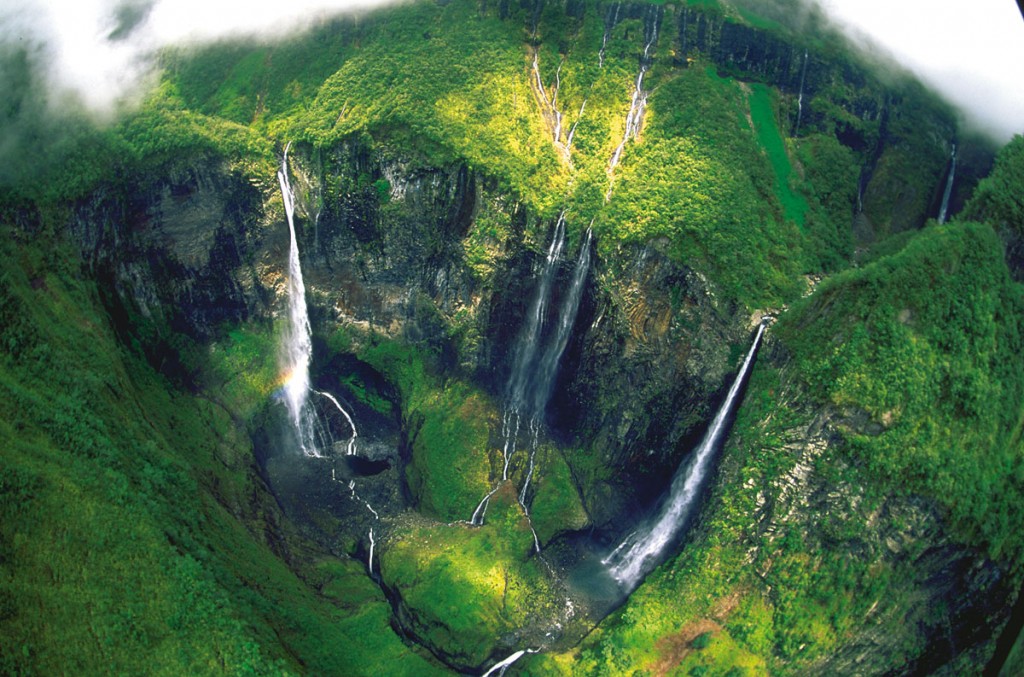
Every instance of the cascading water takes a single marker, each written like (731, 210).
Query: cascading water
(502, 666)
(535, 363)
(640, 550)
(944, 209)
(297, 346)
(800, 94)
(351, 448)
(610, 21)
(529, 340)
(547, 365)
(638, 104)
(572, 130)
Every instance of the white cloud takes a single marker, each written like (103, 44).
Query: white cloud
(81, 57)
(969, 52)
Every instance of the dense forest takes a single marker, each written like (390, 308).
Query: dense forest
(628, 190)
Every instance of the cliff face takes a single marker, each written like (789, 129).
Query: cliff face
(420, 268)
(936, 603)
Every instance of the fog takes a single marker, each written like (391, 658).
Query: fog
(971, 53)
(97, 53)
(100, 51)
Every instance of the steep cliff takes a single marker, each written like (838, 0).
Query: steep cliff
(439, 153)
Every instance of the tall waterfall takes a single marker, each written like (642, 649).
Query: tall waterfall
(527, 346)
(297, 346)
(944, 209)
(535, 361)
(638, 553)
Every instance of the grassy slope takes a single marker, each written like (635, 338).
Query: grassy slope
(119, 547)
(926, 342)
(453, 82)
(723, 211)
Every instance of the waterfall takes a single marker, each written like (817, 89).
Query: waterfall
(351, 449)
(638, 552)
(949, 186)
(800, 95)
(638, 103)
(610, 20)
(297, 349)
(572, 130)
(535, 362)
(481, 508)
(369, 560)
(297, 346)
(501, 667)
(553, 115)
(526, 347)
(547, 365)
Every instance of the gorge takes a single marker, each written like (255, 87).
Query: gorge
(339, 354)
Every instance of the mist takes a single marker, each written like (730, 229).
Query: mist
(101, 52)
(93, 59)
(970, 53)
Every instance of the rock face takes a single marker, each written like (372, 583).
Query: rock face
(437, 256)
(945, 598)
(929, 602)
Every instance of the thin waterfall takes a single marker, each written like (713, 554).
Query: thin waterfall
(351, 449)
(610, 21)
(572, 130)
(944, 209)
(369, 560)
(800, 95)
(638, 103)
(639, 552)
(502, 666)
(481, 508)
(549, 102)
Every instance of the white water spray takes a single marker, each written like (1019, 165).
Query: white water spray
(297, 349)
(638, 553)
(501, 667)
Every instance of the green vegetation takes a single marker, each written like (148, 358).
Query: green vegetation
(998, 198)
(556, 505)
(924, 342)
(700, 179)
(466, 587)
(118, 549)
(137, 536)
(763, 112)
(448, 427)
